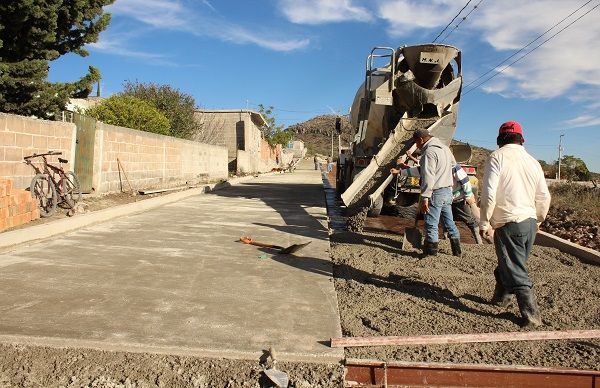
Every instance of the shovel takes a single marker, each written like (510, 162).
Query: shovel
(278, 377)
(288, 250)
(412, 236)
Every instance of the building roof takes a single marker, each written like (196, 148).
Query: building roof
(257, 118)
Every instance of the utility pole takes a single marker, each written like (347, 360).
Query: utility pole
(560, 150)
(338, 130)
(332, 132)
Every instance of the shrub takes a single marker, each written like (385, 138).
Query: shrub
(131, 112)
(178, 107)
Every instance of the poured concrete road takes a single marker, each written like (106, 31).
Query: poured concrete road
(175, 280)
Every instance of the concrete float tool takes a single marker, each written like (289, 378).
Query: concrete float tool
(278, 377)
(287, 250)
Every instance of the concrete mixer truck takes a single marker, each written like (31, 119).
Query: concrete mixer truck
(416, 87)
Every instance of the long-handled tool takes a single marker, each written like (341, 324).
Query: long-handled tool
(280, 378)
(282, 250)
(413, 236)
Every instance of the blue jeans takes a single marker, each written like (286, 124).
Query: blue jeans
(514, 242)
(440, 204)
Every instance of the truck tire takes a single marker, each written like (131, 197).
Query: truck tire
(407, 211)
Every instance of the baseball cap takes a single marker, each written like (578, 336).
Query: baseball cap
(511, 127)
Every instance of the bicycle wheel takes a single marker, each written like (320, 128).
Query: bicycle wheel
(44, 193)
(71, 189)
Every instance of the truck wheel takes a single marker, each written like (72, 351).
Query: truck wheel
(407, 211)
(375, 211)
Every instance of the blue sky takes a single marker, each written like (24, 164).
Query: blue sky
(307, 57)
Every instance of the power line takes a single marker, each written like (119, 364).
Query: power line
(462, 20)
(529, 52)
(451, 21)
(290, 110)
(527, 45)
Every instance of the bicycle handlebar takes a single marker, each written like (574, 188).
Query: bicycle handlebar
(45, 154)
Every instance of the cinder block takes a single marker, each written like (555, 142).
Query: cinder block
(53, 143)
(8, 139)
(3, 226)
(9, 187)
(3, 213)
(40, 142)
(35, 213)
(24, 140)
(13, 154)
(12, 211)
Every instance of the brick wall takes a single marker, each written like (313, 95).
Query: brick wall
(21, 136)
(152, 161)
(16, 206)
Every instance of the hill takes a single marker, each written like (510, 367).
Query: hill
(316, 134)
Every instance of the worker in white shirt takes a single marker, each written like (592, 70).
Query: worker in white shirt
(514, 200)
(341, 163)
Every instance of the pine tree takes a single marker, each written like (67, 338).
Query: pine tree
(35, 32)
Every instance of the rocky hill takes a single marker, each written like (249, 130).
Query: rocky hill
(316, 134)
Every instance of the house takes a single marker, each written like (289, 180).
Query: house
(239, 131)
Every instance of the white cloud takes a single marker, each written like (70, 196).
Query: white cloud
(156, 13)
(554, 68)
(173, 15)
(583, 121)
(404, 16)
(323, 11)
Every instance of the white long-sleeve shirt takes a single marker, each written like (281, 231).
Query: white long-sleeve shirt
(514, 188)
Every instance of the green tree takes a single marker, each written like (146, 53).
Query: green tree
(131, 112)
(574, 169)
(178, 107)
(35, 32)
(273, 132)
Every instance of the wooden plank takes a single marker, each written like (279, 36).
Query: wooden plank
(463, 338)
(371, 373)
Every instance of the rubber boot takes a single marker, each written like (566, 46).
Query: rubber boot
(501, 297)
(430, 249)
(528, 308)
(475, 231)
(455, 245)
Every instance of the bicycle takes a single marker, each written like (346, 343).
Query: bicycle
(51, 183)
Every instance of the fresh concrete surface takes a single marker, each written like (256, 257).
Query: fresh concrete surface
(174, 279)
(61, 226)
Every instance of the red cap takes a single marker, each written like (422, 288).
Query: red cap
(511, 127)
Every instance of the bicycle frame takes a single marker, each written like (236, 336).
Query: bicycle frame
(49, 169)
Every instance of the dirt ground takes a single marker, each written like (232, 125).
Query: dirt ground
(30, 366)
(383, 291)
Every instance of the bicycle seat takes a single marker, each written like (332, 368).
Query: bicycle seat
(61, 160)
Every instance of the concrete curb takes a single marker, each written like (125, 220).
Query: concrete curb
(14, 238)
(584, 254)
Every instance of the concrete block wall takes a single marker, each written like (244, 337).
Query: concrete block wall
(16, 206)
(152, 161)
(21, 136)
